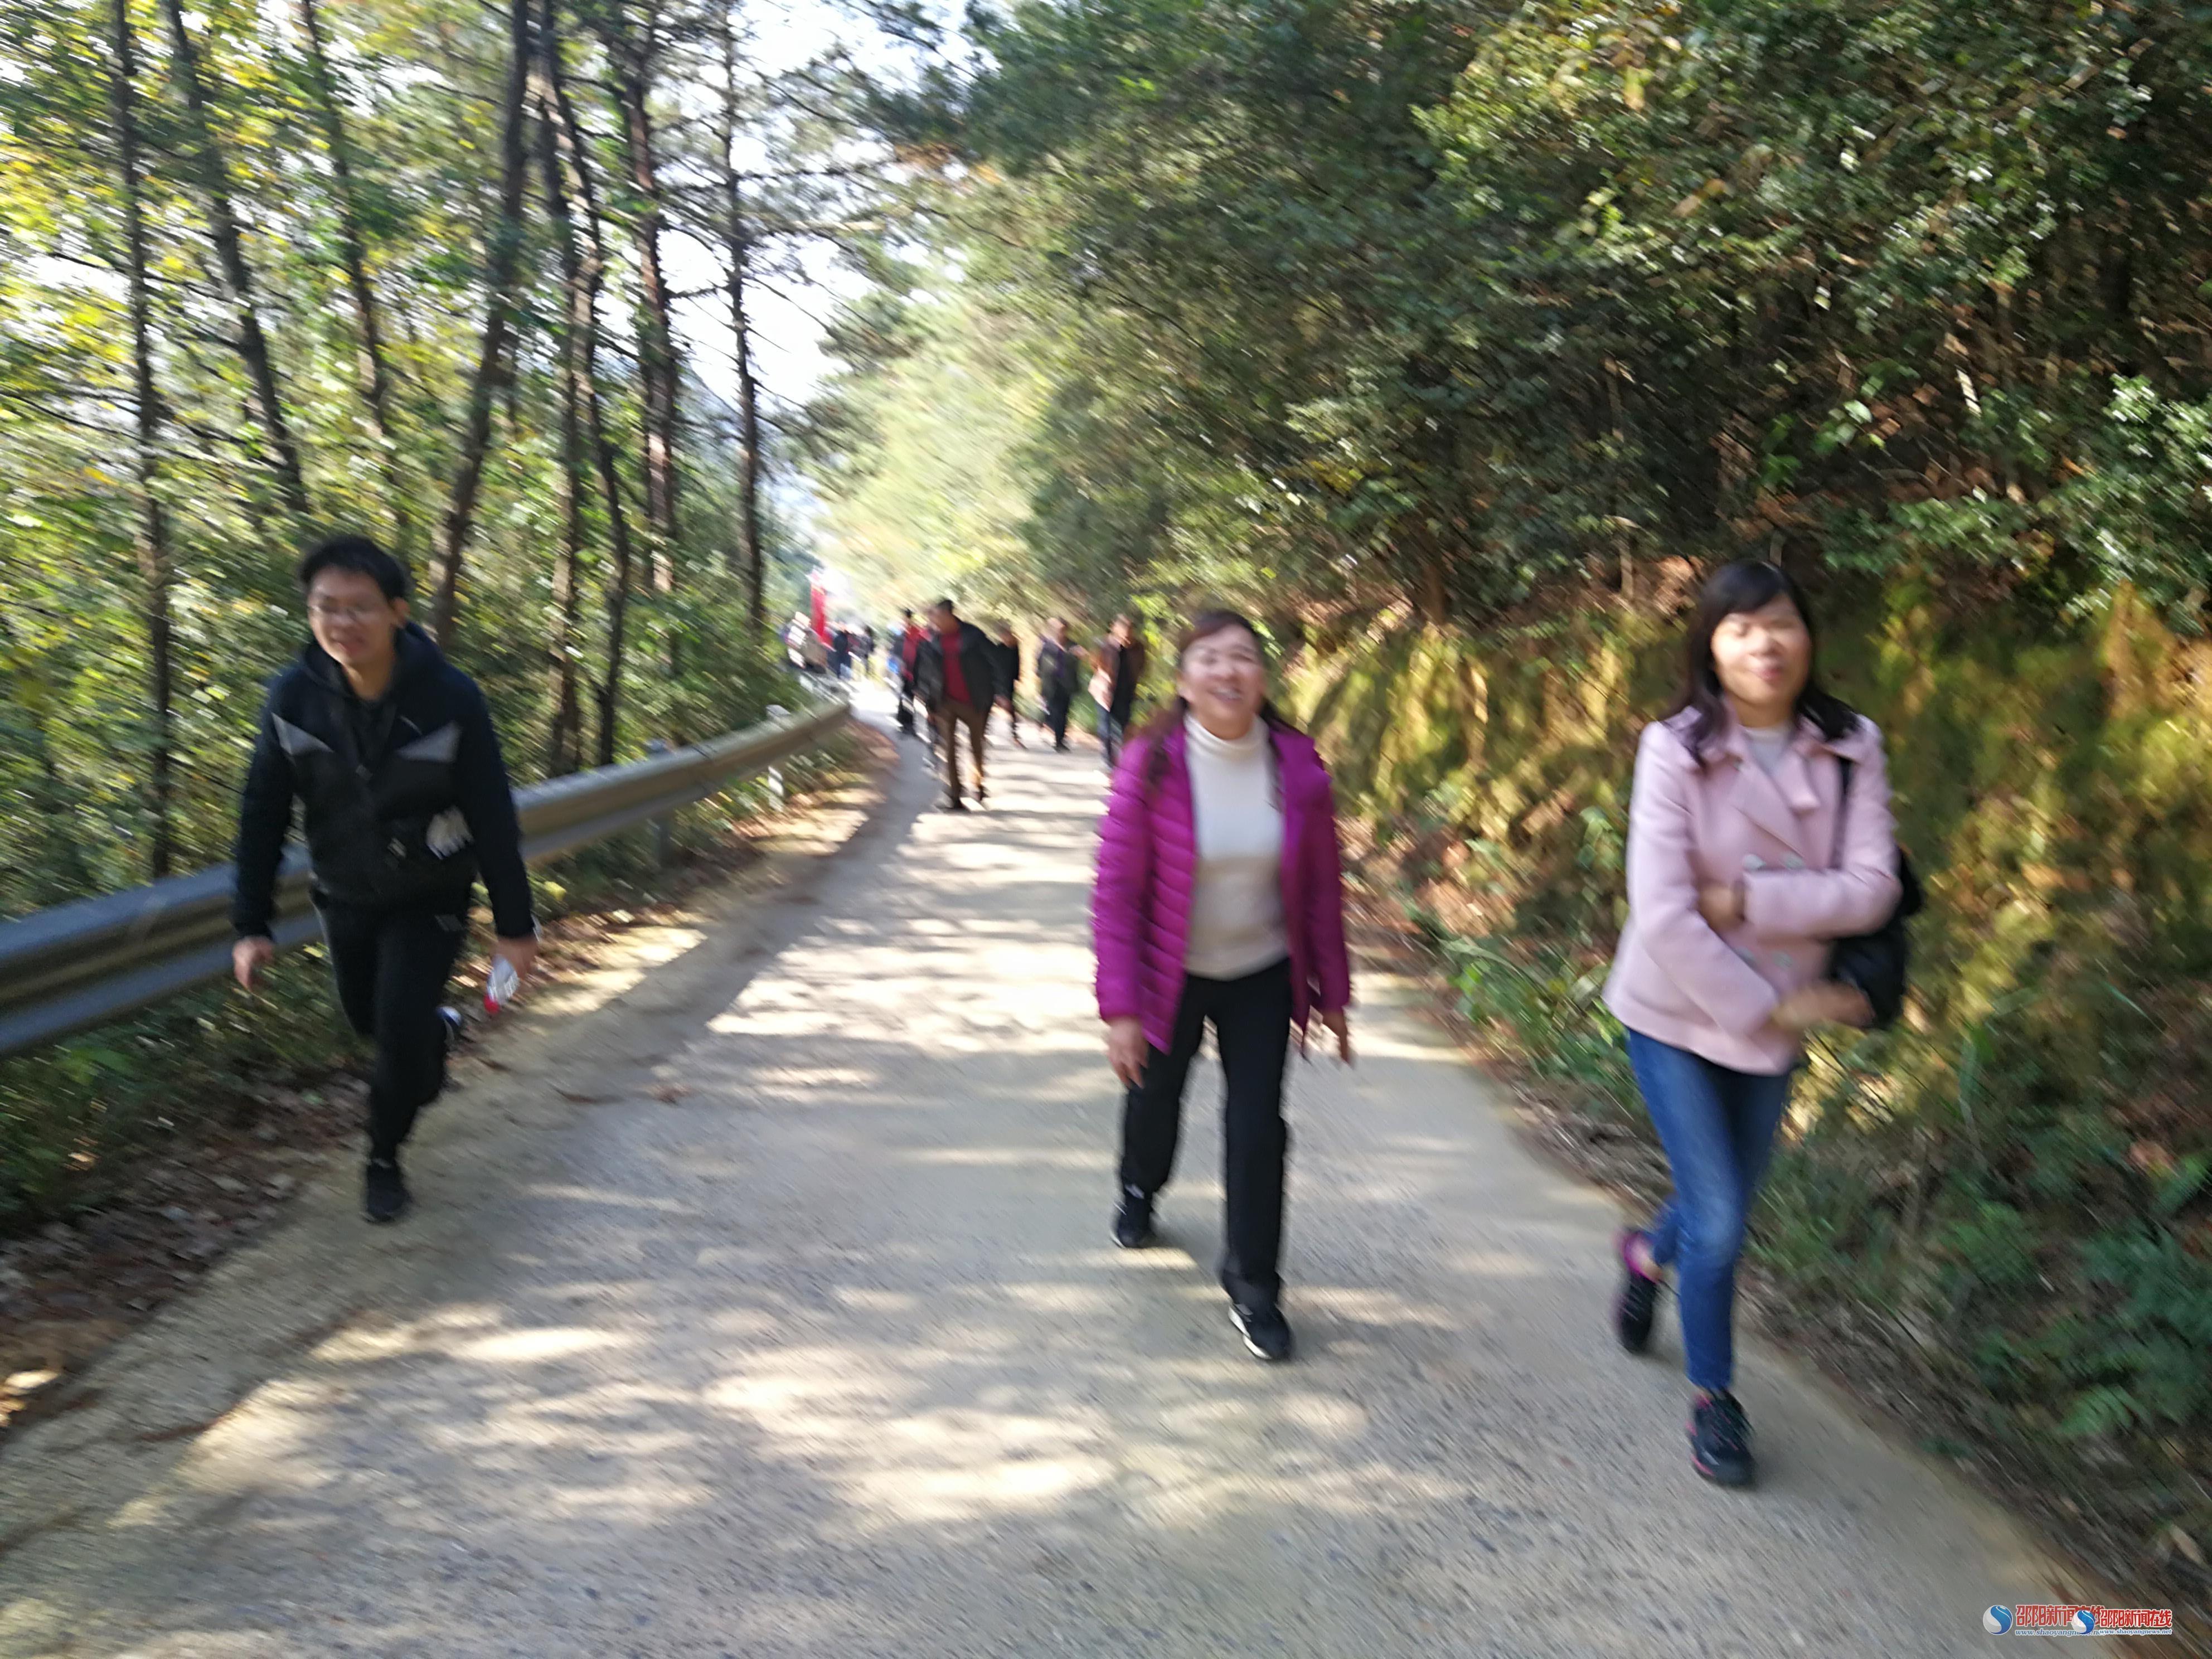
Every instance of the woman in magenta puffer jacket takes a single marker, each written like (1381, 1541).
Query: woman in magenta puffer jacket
(1219, 900)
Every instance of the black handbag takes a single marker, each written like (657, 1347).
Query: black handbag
(1874, 964)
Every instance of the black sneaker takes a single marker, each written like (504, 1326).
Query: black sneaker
(1133, 1222)
(1720, 1441)
(1639, 1298)
(384, 1196)
(1265, 1331)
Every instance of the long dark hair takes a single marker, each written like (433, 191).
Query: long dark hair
(1748, 584)
(1204, 626)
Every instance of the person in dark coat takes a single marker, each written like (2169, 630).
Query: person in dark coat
(956, 670)
(390, 752)
(900, 665)
(1059, 664)
(1007, 652)
(1121, 662)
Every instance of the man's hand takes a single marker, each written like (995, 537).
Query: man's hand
(1828, 1003)
(521, 954)
(249, 957)
(1341, 1027)
(1721, 905)
(1125, 1050)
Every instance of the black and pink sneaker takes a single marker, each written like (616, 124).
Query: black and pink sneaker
(1720, 1440)
(1639, 1298)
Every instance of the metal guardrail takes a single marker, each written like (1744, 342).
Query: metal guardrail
(80, 964)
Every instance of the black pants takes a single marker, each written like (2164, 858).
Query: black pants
(392, 967)
(1056, 704)
(1251, 1020)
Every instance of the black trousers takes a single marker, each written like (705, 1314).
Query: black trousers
(1056, 705)
(390, 967)
(1251, 1021)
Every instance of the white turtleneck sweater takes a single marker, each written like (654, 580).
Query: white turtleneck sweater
(1236, 908)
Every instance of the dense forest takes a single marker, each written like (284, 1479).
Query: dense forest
(1454, 340)
(418, 267)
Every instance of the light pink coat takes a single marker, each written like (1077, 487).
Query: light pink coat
(1673, 977)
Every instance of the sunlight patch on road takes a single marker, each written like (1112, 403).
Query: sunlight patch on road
(532, 1347)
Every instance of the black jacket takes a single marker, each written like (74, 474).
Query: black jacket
(404, 800)
(1125, 667)
(1057, 666)
(1006, 664)
(979, 666)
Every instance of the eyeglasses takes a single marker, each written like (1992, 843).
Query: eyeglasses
(347, 613)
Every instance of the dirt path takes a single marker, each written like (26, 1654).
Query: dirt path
(765, 1307)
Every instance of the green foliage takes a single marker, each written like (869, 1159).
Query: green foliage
(416, 89)
(1543, 1000)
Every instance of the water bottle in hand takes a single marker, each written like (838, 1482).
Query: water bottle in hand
(500, 984)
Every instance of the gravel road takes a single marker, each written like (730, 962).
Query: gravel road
(760, 1302)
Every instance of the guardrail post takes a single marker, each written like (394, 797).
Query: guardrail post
(664, 829)
(775, 712)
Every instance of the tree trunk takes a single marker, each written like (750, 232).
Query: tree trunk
(565, 744)
(606, 695)
(631, 59)
(504, 263)
(252, 344)
(153, 539)
(376, 376)
(749, 435)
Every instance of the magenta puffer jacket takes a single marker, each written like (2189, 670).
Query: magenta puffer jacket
(1148, 863)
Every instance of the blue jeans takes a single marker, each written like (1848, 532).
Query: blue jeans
(1718, 1126)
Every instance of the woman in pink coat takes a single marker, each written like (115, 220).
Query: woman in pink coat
(1219, 900)
(1745, 863)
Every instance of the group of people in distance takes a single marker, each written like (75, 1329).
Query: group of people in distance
(958, 675)
(1760, 833)
(845, 649)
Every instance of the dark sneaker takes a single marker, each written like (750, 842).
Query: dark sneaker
(1720, 1441)
(1639, 1298)
(1133, 1222)
(955, 804)
(384, 1196)
(1265, 1331)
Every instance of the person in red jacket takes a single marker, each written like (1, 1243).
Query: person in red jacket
(956, 668)
(1219, 900)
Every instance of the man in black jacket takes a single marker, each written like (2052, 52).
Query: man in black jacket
(956, 670)
(1058, 666)
(390, 750)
